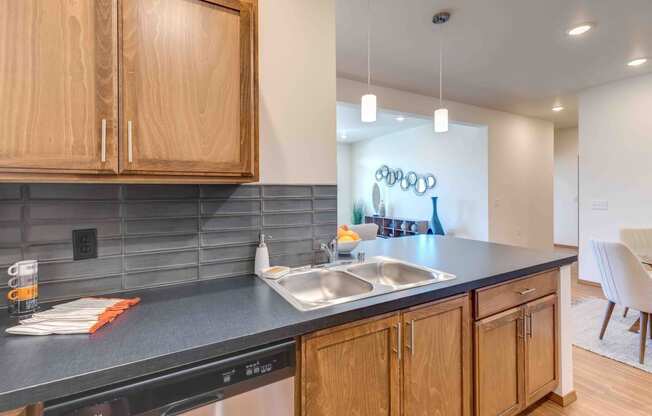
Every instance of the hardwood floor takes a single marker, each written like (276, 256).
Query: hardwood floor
(604, 386)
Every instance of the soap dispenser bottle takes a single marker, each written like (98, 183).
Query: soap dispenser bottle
(262, 256)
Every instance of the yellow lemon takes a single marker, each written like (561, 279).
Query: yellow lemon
(345, 238)
(354, 235)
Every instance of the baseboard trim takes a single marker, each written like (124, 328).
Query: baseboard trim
(563, 401)
(566, 246)
(588, 282)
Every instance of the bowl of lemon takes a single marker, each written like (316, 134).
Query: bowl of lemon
(347, 239)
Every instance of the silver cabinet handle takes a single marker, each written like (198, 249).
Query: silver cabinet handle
(521, 327)
(527, 291)
(103, 140)
(130, 147)
(412, 336)
(410, 345)
(529, 325)
(398, 341)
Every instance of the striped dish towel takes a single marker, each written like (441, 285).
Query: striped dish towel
(81, 316)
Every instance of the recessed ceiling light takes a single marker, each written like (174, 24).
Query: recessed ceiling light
(400, 119)
(557, 108)
(579, 30)
(637, 62)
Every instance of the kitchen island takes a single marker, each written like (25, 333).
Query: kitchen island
(184, 324)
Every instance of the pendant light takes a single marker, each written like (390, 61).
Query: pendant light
(368, 103)
(441, 114)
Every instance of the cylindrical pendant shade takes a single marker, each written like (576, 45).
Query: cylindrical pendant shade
(368, 108)
(441, 120)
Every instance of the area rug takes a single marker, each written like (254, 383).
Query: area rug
(618, 343)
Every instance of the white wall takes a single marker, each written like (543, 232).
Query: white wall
(566, 181)
(615, 146)
(458, 159)
(297, 91)
(521, 162)
(344, 185)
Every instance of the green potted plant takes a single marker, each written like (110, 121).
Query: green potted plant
(358, 213)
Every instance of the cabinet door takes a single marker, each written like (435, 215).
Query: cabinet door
(499, 364)
(541, 351)
(437, 365)
(58, 83)
(188, 84)
(351, 370)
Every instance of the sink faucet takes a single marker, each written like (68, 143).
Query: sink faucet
(331, 250)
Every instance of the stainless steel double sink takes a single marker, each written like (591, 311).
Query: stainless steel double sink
(339, 283)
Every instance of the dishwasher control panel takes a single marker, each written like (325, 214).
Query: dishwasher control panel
(254, 368)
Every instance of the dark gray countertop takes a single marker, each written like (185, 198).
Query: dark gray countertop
(182, 324)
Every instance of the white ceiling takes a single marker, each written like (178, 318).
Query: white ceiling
(510, 55)
(349, 124)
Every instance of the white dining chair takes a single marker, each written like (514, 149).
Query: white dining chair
(365, 231)
(625, 282)
(639, 240)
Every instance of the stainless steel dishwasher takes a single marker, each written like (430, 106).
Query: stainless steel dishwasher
(255, 383)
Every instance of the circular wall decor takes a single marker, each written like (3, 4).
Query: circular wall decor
(405, 185)
(385, 170)
(391, 178)
(421, 186)
(399, 174)
(431, 181)
(379, 175)
(411, 178)
(375, 197)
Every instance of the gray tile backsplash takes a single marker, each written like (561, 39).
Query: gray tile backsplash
(151, 235)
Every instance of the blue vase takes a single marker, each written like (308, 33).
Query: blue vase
(435, 225)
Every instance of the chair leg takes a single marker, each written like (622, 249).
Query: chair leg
(644, 324)
(626, 310)
(607, 317)
(650, 318)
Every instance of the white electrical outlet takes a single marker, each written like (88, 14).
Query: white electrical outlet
(599, 205)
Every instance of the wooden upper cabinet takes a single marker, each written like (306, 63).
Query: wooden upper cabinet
(58, 86)
(499, 364)
(351, 370)
(541, 352)
(188, 78)
(438, 360)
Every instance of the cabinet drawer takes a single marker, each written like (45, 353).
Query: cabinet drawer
(503, 296)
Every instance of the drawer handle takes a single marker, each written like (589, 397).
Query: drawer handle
(527, 291)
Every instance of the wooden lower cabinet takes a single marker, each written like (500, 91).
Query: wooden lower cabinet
(416, 362)
(351, 370)
(516, 357)
(541, 352)
(499, 364)
(438, 359)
